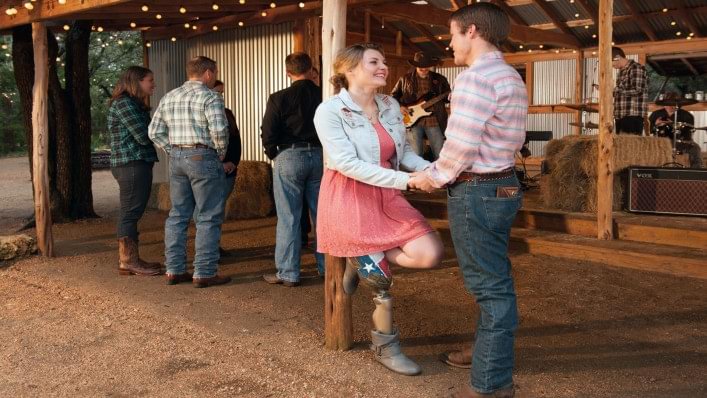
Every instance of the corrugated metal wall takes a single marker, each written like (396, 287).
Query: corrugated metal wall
(251, 63)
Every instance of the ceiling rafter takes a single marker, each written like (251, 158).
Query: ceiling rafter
(689, 20)
(515, 17)
(406, 39)
(641, 21)
(589, 10)
(435, 41)
(550, 12)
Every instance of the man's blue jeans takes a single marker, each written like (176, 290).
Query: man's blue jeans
(196, 184)
(297, 174)
(480, 224)
(416, 136)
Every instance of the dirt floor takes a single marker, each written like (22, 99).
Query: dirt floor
(70, 326)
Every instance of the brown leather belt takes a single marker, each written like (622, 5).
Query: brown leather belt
(469, 176)
(192, 146)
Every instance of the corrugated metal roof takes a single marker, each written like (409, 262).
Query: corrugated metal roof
(531, 14)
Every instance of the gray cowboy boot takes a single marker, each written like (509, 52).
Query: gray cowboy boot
(387, 351)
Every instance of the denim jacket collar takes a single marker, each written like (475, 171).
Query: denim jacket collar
(383, 101)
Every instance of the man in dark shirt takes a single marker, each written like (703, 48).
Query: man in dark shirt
(291, 141)
(630, 93)
(662, 125)
(233, 153)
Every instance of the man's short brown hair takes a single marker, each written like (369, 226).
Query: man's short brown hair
(298, 63)
(197, 66)
(490, 20)
(617, 52)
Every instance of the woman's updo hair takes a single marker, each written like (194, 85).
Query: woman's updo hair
(347, 59)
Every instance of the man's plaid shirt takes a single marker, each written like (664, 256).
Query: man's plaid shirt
(127, 126)
(631, 91)
(188, 115)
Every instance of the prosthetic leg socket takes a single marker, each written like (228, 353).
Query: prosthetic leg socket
(385, 339)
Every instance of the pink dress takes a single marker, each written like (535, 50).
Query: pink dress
(355, 218)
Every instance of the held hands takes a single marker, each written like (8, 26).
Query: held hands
(229, 167)
(419, 180)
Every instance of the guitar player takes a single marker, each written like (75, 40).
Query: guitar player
(418, 85)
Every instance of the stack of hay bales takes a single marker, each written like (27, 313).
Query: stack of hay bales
(251, 198)
(572, 160)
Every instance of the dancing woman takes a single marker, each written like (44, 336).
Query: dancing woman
(362, 213)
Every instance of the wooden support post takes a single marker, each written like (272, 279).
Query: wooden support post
(579, 90)
(338, 328)
(367, 26)
(605, 164)
(40, 141)
(529, 81)
(298, 36)
(399, 43)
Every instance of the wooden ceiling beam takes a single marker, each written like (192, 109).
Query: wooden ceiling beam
(431, 37)
(515, 17)
(553, 16)
(641, 21)
(406, 39)
(51, 10)
(689, 20)
(690, 66)
(589, 10)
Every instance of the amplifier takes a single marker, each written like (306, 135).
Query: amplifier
(667, 190)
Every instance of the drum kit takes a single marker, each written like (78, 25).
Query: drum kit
(677, 132)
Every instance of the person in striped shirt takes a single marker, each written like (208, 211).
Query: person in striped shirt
(489, 108)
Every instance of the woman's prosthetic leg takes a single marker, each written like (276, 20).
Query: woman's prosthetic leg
(385, 338)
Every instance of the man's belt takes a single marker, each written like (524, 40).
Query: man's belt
(191, 146)
(298, 145)
(469, 176)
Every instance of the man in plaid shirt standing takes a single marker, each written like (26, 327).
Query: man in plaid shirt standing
(630, 93)
(191, 126)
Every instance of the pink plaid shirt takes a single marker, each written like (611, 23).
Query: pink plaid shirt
(489, 104)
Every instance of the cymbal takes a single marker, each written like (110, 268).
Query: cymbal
(588, 125)
(701, 128)
(582, 107)
(676, 102)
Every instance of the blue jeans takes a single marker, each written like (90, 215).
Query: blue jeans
(416, 136)
(297, 173)
(480, 224)
(196, 181)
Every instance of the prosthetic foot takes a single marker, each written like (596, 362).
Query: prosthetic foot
(385, 339)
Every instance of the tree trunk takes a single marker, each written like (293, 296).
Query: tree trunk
(61, 149)
(79, 102)
(23, 65)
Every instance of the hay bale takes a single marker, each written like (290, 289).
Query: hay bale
(253, 194)
(566, 185)
(16, 246)
(252, 197)
(590, 204)
(159, 197)
(631, 150)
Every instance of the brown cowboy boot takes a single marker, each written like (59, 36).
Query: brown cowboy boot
(129, 264)
(458, 359)
(143, 263)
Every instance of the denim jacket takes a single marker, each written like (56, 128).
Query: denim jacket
(351, 144)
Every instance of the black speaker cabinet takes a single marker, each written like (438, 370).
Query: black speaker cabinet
(667, 190)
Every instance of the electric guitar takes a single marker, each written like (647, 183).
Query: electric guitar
(419, 110)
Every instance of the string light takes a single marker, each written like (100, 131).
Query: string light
(241, 1)
(240, 23)
(148, 44)
(521, 46)
(67, 27)
(100, 28)
(214, 28)
(301, 5)
(187, 25)
(541, 46)
(158, 16)
(193, 27)
(173, 38)
(28, 5)
(678, 33)
(133, 24)
(145, 8)
(11, 11)
(214, 7)
(264, 14)
(273, 5)
(182, 10)
(62, 2)
(673, 23)
(665, 10)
